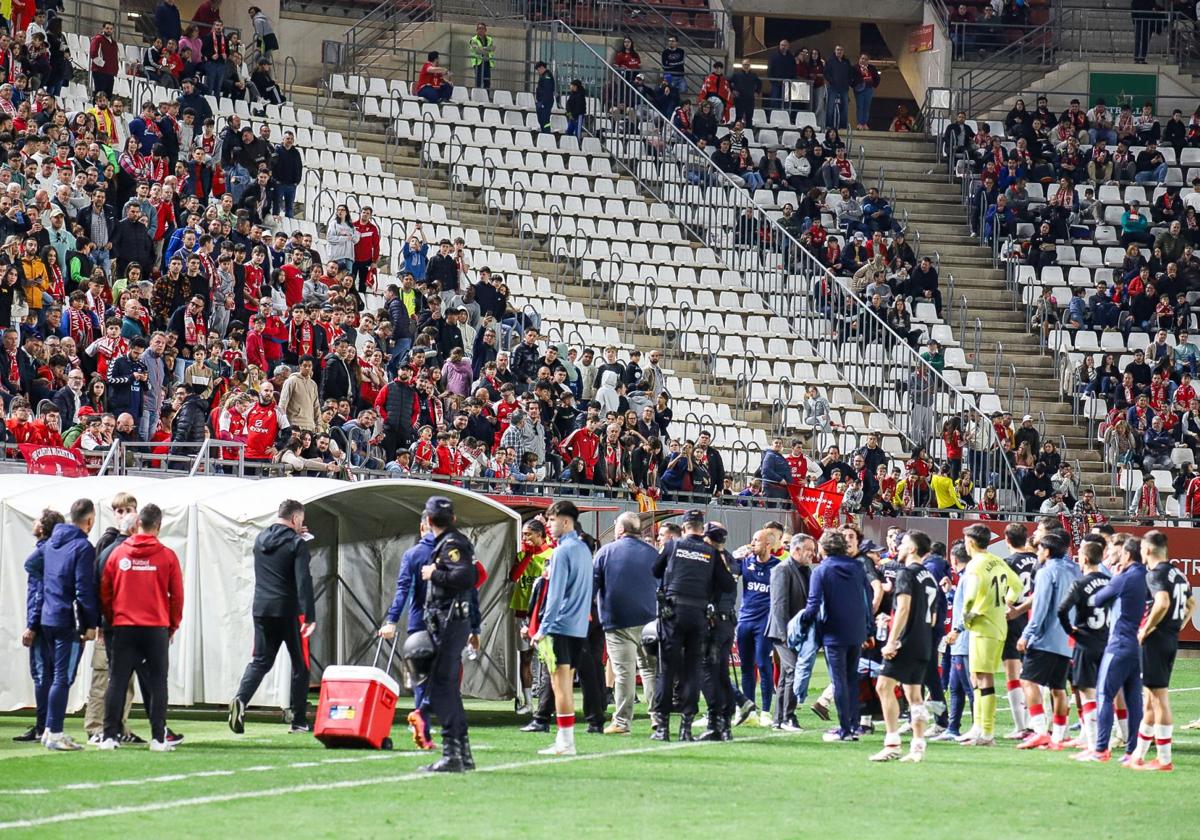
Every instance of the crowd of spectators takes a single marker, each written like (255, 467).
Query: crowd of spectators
(1046, 183)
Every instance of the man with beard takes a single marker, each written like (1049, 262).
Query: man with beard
(264, 422)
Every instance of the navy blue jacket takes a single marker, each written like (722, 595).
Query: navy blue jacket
(839, 602)
(623, 572)
(1128, 593)
(775, 471)
(409, 582)
(69, 579)
(35, 565)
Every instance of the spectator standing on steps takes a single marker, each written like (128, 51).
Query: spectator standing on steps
(264, 42)
(103, 60)
(864, 79)
(838, 76)
(745, 85)
(543, 95)
(482, 47)
(781, 68)
(674, 65)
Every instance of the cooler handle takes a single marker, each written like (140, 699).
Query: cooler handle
(379, 650)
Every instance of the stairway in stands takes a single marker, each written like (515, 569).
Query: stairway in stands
(340, 115)
(935, 210)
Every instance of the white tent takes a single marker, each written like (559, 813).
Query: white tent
(361, 530)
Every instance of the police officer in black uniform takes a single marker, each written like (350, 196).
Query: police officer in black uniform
(451, 575)
(692, 573)
(718, 649)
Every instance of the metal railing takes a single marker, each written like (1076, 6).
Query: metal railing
(814, 304)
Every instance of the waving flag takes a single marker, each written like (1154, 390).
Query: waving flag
(818, 506)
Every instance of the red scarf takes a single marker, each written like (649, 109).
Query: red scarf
(194, 330)
(80, 327)
(56, 282)
(1148, 501)
(300, 339)
(14, 371)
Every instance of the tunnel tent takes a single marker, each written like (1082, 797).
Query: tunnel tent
(22, 500)
(360, 532)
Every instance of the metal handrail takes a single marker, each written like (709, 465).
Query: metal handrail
(712, 204)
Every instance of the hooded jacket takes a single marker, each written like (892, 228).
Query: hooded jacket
(282, 583)
(410, 588)
(142, 585)
(839, 602)
(607, 394)
(35, 565)
(69, 579)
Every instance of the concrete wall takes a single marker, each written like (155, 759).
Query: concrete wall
(908, 11)
(921, 70)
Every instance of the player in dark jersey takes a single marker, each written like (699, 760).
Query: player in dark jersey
(1088, 625)
(909, 648)
(1022, 560)
(1172, 605)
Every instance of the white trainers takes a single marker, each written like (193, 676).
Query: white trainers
(162, 746)
(905, 728)
(96, 738)
(558, 750)
(933, 730)
(765, 719)
(107, 743)
(980, 741)
(970, 735)
(915, 755)
(58, 742)
(887, 754)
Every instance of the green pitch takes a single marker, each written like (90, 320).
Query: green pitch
(268, 784)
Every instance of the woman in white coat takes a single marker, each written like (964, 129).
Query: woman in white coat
(341, 236)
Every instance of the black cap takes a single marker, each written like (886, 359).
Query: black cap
(695, 516)
(438, 504)
(716, 532)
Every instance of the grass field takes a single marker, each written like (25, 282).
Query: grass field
(268, 784)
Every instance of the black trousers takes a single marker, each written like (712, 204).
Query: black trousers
(715, 680)
(590, 671)
(271, 631)
(360, 271)
(444, 688)
(144, 649)
(103, 82)
(681, 642)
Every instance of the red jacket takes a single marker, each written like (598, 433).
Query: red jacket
(142, 585)
(584, 445)
(366, 249)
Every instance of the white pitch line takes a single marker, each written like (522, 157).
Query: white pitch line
(200, 774)
(99, 813)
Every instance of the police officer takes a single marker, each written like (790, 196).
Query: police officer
(451, 577)
(718, 648)
(692, 573)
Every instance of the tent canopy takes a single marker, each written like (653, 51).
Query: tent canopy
(360, 533)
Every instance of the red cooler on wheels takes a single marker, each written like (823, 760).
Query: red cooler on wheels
(357, 706)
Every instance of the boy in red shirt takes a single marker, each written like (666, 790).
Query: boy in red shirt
(366, 249)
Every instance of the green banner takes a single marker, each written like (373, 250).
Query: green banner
(1119, 88)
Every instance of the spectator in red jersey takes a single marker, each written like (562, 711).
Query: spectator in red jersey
(433, 82)
(366, 248)
(264, 422)
(717, 93)
(103, 60)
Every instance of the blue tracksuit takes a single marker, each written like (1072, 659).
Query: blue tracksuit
(409, 585)
(754, 649)
(839, 602)
(41, 654)
(961, 691)
(69, 604)
(1121, 666)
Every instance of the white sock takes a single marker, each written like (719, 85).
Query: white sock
(892, 739)
(917, 745)
(1016, 703)
(1145, 738)
(1037, 719)
(1059, 733)
(1162, 741)
(1123, 723)
(1089, 723)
